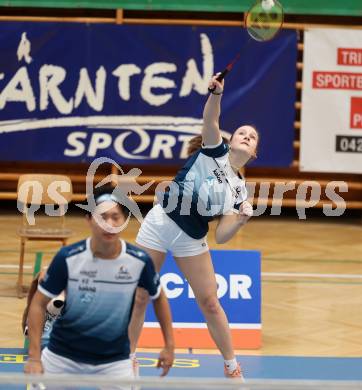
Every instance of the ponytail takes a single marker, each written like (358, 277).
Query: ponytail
(195, 144)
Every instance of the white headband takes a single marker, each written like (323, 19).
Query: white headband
(106, 198)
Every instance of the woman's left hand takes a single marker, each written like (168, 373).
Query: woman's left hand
(246, 209)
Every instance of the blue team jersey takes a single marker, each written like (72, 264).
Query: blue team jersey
(93, 327)
(48, 327)
(206, 187)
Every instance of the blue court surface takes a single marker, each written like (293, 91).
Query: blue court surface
(254, 367)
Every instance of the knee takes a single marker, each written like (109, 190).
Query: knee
(142, 298)
(210, 305)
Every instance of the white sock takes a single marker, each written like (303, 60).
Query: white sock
(231, 365)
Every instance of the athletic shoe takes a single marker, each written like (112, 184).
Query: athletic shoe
(233, 374)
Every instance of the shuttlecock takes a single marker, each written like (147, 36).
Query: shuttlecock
(267, 5)
(55, 306)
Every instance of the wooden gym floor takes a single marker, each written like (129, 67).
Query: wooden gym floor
(311, 280)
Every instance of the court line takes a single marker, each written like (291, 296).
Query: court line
(199, 325)
(353, 261)
(265, 258)
(15, 273)
(312, 275)
(30, 251)
(290, 281)
(273, 274)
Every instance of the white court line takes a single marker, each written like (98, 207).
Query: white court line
(201, 325)
(307, 275)
(276, 274)
(14, 266)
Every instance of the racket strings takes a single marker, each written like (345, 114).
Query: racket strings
(263, 24)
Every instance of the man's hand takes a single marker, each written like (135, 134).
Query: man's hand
(33, 366)
(165, 360)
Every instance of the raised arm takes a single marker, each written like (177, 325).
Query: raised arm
(210, 129)
(163, 314)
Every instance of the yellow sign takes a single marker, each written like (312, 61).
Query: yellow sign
(178, 363)
(12, 358)
(144, 362)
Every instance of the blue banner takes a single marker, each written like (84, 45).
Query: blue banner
(238, 275)
(74, 92)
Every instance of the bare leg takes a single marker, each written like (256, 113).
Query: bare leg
(141, 301)
(200, 274)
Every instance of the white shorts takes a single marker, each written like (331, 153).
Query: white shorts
(159, 232)
(56, 364)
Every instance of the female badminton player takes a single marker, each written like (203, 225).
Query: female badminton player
(207, 187)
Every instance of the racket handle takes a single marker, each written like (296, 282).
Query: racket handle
(220, 77)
